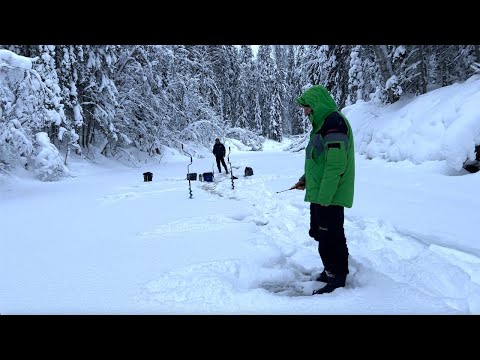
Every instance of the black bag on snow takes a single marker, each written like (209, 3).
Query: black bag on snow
(208, 176)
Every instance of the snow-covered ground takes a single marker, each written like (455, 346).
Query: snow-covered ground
(105, 242)
(102, 241)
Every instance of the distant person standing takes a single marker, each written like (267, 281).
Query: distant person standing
(219, 152)
(329, 182)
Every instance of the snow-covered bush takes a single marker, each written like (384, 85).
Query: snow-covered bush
(246, 137)
(48, 162)
(14, 144)
(202, 132)
(299, 142)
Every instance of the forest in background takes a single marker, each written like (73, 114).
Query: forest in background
(111, 98)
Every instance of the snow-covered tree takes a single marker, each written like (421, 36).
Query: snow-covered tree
(225, 66)
(275, 124)
(98, 97)
(48, 161)
(328, 65)
(315, 59)
(292, 83)
(186, 93)
(265, 76)
(45, 66)
(391, 87)
(409, 63)
(300, 76)
(22, 96)
(113, 98)
(245, 88)
(356, 81)
(68, 69)
(258, 125)
(281, 84)
(142, 104)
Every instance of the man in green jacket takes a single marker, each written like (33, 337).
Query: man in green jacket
(329, 182)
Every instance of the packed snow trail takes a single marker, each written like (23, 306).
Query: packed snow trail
(394, 260)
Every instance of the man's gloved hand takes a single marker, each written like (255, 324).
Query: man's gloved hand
(299, 185)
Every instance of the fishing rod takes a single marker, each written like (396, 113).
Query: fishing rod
(188, 172)
(293, 187)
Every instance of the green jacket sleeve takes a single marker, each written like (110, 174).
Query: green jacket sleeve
(336, 164)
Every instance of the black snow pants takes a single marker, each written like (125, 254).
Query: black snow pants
(220, 158)
(326, 227)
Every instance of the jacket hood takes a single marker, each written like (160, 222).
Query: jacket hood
(320, 101)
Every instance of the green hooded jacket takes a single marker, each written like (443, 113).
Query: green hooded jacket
(329, 157)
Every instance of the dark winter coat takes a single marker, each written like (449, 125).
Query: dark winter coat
(219, 150)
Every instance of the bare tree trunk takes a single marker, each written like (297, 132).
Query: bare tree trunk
(423, 69)
(27, 51)
(386, 69)
(53, 134)
(445, 63)
(66, 154)
(88, 132)
(84, 145)
(388, 64)
(477, 53)
(92, 131)
(383, 63)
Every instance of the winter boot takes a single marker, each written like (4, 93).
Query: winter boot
(334, 281)
(322, 277)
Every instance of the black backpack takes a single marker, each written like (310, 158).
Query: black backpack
(248, 171)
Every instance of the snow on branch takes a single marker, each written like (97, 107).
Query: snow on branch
(12, 60)
(201, 132)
